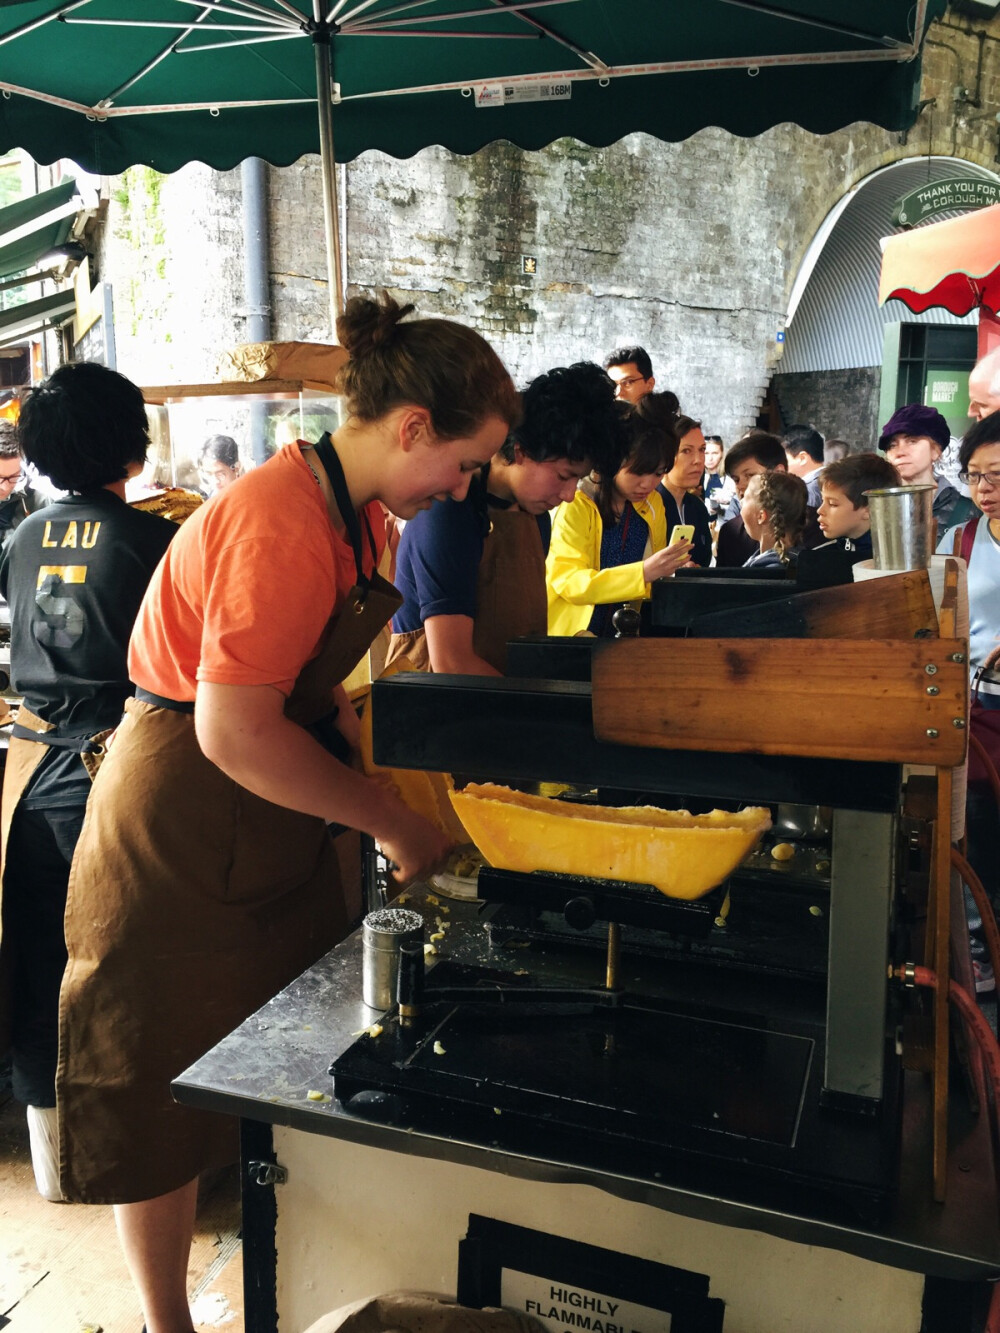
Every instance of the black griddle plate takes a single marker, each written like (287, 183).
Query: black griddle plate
(736, 1096)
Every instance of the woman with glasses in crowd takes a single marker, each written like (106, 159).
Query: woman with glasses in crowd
(978, 543)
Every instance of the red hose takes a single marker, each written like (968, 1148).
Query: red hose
(985, 907)
(990, 1051)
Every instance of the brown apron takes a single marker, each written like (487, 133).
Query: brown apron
(192, 902)
(510, 593)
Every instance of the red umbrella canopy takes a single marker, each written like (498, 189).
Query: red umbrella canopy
(954, 264)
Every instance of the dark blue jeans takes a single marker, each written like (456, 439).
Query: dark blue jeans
(39, 855)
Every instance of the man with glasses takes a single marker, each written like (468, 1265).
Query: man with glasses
(632, 372)
(14, 504)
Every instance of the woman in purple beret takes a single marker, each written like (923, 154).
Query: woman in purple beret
(913, 440)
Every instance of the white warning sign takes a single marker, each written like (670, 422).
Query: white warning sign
(560, 1307)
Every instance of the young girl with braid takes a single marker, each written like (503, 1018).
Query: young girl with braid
(774, 514)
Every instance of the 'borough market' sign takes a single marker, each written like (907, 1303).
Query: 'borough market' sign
(945, 196)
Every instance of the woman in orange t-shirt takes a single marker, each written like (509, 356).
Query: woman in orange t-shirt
(205, 878)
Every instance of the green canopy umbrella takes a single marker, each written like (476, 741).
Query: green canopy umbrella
(111, 83)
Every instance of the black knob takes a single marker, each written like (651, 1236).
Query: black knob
(580, 913)
(626, 623)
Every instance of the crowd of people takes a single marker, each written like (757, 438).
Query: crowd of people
(202, 879)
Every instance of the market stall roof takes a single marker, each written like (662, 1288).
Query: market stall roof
(954, 264)
(34, 226)
(33, 317)
(111, 83)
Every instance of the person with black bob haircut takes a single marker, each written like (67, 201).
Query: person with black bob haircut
(74, 575)
(85, 428)
(472, 572)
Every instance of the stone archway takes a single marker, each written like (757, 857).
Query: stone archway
(830, 370)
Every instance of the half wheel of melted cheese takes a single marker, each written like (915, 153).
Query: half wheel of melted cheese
(683, 855)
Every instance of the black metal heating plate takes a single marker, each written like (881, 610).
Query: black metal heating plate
(720, 1097)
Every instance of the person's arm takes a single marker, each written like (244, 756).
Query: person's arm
(348, 722)
(242, 729)
(574, 548)
(571, 570)
(441, 549)
(450, 648)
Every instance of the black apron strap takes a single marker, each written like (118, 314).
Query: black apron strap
(175, 705)
(327, 455)
(79, 744)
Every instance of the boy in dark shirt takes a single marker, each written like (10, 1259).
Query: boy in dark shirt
(843, 515)
(73, 575)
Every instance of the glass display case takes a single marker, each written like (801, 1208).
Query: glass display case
(203, 436)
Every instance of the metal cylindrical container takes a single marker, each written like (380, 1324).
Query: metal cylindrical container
(902, 522)
(382, 934)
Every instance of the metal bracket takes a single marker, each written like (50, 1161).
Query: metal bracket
(267, 1173)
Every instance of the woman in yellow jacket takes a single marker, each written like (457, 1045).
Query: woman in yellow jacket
(610, 542)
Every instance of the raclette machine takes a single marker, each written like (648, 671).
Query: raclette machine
(747, 1040)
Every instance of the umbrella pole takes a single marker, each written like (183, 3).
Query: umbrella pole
(328, 164)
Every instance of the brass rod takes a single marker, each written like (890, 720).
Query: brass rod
(614, 949)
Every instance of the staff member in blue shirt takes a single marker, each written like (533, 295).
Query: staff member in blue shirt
(472, 571)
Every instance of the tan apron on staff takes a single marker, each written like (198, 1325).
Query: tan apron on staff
(510, 593)
(192, 902)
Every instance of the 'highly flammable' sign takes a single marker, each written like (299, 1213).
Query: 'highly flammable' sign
(561, 1308)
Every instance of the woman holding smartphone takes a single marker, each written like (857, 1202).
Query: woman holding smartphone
(610, 543)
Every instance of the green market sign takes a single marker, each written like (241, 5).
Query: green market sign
(945, 196)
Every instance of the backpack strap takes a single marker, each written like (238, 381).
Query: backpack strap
(965, 539)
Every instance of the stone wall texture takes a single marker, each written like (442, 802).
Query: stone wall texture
(689, 249)
(843, 404)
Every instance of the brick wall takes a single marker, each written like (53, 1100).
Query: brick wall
(843, 404)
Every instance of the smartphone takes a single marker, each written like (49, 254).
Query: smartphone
(681, 532)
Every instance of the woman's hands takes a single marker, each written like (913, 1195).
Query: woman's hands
(663, 563)
(415, 845)
(242, 729)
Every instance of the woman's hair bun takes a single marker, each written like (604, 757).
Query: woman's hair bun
(366, 325)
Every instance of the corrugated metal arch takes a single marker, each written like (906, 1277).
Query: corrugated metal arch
(834, 320)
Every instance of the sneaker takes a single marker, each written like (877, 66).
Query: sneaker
(985, 980)
(43, 1136)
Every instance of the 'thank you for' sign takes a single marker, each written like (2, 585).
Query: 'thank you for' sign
(957, 193)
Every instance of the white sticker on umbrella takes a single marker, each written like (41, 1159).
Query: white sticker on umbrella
(503, 94)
